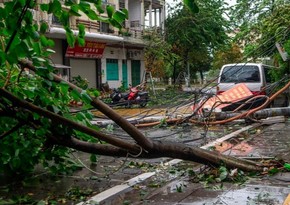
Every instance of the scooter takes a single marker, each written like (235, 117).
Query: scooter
(136, 95)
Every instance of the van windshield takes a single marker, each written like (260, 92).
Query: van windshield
(240, 74)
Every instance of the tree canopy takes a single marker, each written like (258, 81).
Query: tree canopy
(195, 36)
(260, 24)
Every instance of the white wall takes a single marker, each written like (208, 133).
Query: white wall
(120, 54)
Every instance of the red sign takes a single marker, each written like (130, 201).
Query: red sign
(90, 50)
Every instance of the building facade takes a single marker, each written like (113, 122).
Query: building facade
(109, 56)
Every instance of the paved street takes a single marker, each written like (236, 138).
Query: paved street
(266, 142)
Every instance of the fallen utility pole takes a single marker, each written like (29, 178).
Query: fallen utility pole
(261, 114)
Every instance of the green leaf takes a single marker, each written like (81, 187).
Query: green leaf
(44, 7)
(64, 87)
(119, 16)
(50, 43)
(15, 162)
(191, 5)
(75, 94)
(81, 30)
(92, 15)
(28, 17)
(55, 7)
(125, 11)
(43, 40)
(83, 6)
(110, 10)
(2, 57)
(287, 166)
(273, 171)
(80, 116)
(85, 97)
(74, 10)
(43, 27)
(223, 173)
(64, 18)
(93, 158)
(29, 93)
(22, 2)
(81, 41)
(5, 158)
(115, 23)
(37, 48)
(70, 37)
(89, 115)
(100, 8)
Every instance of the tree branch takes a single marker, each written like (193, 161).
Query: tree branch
(163, 149)
(105, 109)
(15, 128)
(59, 119)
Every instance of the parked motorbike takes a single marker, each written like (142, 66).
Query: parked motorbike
(136, 95)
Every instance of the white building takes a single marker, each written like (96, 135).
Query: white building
(108, 55)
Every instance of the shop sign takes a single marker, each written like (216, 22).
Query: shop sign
(90, 50)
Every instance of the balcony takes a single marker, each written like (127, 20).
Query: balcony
(156, 4)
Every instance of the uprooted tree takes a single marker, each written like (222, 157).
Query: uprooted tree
(36, 123)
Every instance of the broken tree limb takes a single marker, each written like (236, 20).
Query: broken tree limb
(165, 149)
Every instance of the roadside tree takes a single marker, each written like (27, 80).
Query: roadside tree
(195, 36)
(261, 24)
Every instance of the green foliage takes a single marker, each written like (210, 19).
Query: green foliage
(25, 137)
(191, 5)
(261, 24)
(80, 82)
(227, 54)
(194, 34)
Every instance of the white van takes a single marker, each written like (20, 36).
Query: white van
(255, 76)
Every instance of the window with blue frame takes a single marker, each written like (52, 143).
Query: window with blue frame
(112, 69)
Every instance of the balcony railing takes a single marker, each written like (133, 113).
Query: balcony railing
(135, 24)
(91, 26)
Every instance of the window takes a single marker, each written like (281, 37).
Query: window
(104, 27)
(239, 74)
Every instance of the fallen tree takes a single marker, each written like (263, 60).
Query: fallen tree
(143, 148)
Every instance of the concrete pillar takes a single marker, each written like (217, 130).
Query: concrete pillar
(127, 7)
(155, 17)
(142, 15)
(162, 17)
(150, 14)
